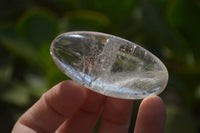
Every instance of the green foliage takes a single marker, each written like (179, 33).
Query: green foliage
(38, 26)
(180, 121)
(169, 29)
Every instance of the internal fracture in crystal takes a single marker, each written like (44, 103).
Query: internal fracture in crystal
(109, 65)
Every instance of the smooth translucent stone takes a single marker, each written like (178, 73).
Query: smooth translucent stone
(109, 65)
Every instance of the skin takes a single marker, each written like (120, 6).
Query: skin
(71, 108)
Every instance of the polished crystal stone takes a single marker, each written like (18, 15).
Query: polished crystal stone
(109, 65)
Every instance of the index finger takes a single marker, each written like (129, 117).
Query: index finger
(54, 107)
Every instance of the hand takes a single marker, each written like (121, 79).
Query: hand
(71, 108)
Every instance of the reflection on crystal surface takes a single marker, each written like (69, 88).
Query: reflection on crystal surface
(109, 65)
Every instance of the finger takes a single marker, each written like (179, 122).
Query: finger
(52, 108)
(84, 120)
(116, 116)
(151, 116)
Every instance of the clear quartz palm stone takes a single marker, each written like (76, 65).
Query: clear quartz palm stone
(109, 65)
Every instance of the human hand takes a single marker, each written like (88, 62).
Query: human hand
(71, 108)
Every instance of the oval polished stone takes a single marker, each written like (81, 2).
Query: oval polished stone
(109, 65)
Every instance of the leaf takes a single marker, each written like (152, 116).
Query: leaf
(84, 20)
(197, 93)
(38, 26)
(15, 44)
(179, 121)
(157, 30)
(18, 95)
(5, 74)
(37, 85)
(184, 17)
(116, 10)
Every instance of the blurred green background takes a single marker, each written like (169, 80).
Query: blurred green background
(168, 28)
